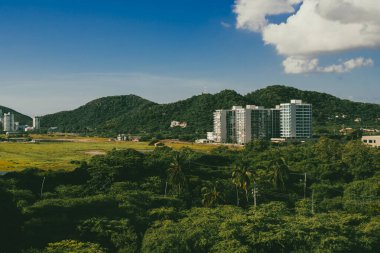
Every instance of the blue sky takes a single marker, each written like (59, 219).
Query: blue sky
(57, 55)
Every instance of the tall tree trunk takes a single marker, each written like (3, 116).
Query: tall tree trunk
(246, 195)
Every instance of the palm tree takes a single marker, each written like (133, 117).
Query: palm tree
(176, 176)
(211, 196)
(280, 172)
(241, 177)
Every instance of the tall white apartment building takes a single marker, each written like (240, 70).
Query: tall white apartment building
(225, 125)
(241, 125)
(36, 122)
(220, 126)
(296, 119)
(8, 122)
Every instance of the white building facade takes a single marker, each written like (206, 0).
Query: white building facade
(8, 122)
(36, 122)
(220, 126)
(372, 140)
(242, 125)
(296, 120)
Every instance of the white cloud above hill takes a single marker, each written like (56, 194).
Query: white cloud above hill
(318, 27)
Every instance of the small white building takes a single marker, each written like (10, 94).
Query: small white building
(175, 123)
(210, 136)
(203, 141)
(372, 140)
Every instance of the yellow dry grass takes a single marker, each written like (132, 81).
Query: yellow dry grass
(58, 155)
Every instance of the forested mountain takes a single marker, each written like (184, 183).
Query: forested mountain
(132, 114)
(23, 119)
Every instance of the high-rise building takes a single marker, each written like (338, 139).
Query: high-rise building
(265, 123)
(220, 126)
(241, 125)
(36, 122)
(296, 120)
(8, 122)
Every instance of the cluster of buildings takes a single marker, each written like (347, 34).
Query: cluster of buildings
(11, 126)
(241, 125)
(180, 124)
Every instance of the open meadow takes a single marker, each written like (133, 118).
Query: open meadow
(59, 155)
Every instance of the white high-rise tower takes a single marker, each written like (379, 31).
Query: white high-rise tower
(36, 122)
(9, 122)
(296, 120)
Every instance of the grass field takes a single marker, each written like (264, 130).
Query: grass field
(58, 155)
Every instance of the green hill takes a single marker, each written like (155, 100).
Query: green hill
(325, 107)
(21, 118)
(132, 114)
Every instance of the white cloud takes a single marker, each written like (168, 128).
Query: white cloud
(318, 27)
(252, 14)
(225, 24)
(298, 65)
(347, 66)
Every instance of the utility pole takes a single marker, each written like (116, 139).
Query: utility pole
(42, 185)
(254, 194)
(304, 182)
(312, 202)
(304, 186)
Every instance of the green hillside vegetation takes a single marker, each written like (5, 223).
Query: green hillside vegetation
(251, 200)
(132, 114)
(23, 119)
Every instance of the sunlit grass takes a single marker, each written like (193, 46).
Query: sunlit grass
(58, 155)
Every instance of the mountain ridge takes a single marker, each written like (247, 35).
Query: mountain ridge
(133, 114)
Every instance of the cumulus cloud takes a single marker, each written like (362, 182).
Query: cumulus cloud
(252, 14)
(299, 65)
(318, 27)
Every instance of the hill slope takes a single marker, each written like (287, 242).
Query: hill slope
(97, 115)
(132, 114)
(325, 107)
(21, 118)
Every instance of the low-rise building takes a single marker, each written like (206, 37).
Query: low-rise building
(180, 124)
(372, 140)
(210, 136)
(203, 141)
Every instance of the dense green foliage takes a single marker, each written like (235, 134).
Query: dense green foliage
(131, 114)
(253, 200)
(21, 118)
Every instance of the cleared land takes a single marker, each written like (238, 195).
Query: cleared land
(59, 155)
